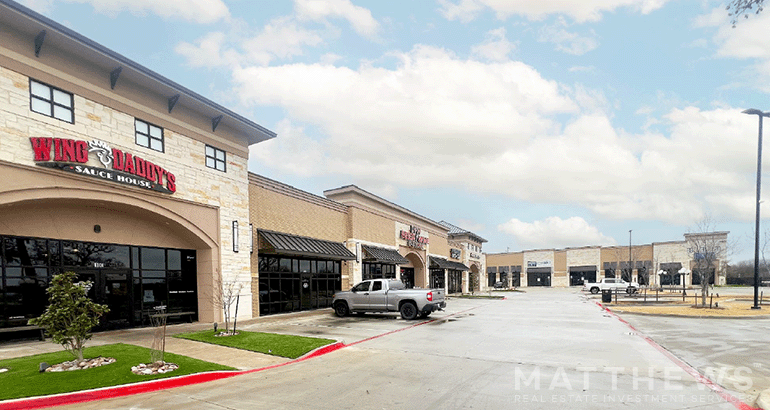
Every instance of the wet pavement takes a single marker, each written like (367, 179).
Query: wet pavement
(547, 348)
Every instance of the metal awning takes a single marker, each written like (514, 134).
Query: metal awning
(286, 244)
(585, 268)
(441, 263)
(675, 266)
(382, 255)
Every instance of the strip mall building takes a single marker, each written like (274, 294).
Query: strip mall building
(658, 264)
(141, 186)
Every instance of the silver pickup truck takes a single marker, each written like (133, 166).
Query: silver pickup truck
(388, 295)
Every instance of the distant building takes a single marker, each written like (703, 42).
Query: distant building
(656, 264)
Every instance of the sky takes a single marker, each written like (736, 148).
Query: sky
(533, 124)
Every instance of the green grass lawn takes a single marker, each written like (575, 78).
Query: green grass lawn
(23, 379)
(269, 343)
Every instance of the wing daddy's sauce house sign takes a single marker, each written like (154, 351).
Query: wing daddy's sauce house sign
(124, 168)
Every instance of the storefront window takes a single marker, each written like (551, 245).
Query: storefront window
(293, 284)
(378, 271)
(27, 265)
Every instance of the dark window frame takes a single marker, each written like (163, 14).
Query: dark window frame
(149, 136)
(215, 158)
(51, 101)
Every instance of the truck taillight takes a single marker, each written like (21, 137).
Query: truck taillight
(430, 296)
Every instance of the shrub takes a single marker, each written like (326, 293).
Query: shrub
(70, 314)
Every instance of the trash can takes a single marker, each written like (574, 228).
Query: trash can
(606, 295)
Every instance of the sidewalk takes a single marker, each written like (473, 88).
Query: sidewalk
(143, 336)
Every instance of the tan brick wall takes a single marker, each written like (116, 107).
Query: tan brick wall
(283, 213)
(183, 156)
(370, 227)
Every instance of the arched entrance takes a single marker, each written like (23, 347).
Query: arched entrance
(128, 236)
(473, 279)
(414, 271)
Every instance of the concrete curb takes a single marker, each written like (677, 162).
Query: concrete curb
(180, 381)
(690, 316)
(716, 388)
(148, 386)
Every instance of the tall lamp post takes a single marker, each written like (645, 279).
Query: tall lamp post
(760, 114)
(630, 268)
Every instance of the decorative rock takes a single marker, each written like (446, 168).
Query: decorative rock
(42, 367)
(3, 370)
(158, 367)
(78, 365)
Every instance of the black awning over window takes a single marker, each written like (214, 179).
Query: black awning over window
(675, 266)
(438, 263)
(586, 268)
(441, 263)
(286, 244)
(382, 255)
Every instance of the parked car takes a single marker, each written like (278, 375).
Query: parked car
(499, 285)
(611, 284)
(388, 295)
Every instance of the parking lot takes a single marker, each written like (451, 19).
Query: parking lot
(549, 348)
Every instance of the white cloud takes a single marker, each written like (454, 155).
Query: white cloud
(435, 119)
(197, 11)
(359, 18)
(554, 232)
(282, 38)
(495, 47)
(746, 41)
(568, 42)
(464, 10)
(294, 152)
(578, 10)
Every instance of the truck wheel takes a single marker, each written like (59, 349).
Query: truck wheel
(341, 309)
(630, 291)
(408, 311)
(594, 290)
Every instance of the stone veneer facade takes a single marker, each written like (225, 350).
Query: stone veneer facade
(199, 215)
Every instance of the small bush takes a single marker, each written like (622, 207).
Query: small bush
(70, 314)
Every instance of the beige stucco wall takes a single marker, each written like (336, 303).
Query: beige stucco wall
(584, 257)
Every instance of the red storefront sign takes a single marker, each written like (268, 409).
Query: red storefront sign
(121, 167)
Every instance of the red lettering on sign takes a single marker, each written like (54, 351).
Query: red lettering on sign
(171, 182)
(117, 159)
(140, 167)
(42, 148)
(150, 171)
(57, 156)
(81, 152)
(130, 164)
(68, 150)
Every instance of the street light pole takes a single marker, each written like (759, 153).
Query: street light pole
(630, 268)
(754, 111)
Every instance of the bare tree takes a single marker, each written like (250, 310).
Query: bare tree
(737, 8)
(709, 249)
(623, 257)
(226, 293)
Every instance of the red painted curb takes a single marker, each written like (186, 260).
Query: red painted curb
(180, 381)
(148, 386)
(685, 366)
